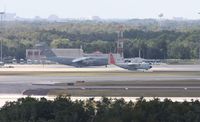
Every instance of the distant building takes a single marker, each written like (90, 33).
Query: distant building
(96, 53)
(33, 54)
(10, 16)
(38, 18)
(53, 18)
(69, 53)
(96, 18)
(179, 18)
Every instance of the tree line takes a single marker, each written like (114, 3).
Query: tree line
(152, 43)
(63, 109)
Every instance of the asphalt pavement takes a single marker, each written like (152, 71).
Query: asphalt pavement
(141, 82)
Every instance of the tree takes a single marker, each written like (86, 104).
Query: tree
(61, 43)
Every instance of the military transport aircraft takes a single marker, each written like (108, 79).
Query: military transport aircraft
(87, 61)
(129, 65)
(84, 61)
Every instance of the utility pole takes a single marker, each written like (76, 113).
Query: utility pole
(2, 13)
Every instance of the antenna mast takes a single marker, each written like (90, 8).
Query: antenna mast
(120, 42)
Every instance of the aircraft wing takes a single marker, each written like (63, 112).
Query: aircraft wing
(90, 61)
(80, 59)
(129, 66)
(133, 64)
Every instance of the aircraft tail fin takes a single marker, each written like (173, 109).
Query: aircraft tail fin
(111, 59)
(45, 50)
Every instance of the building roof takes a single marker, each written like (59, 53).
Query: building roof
(70, 52)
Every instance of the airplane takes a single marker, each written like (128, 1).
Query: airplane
(87, 61)
(84, 61)
(80, 62)
(129, 65)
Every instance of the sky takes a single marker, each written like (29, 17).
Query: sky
(107, 9)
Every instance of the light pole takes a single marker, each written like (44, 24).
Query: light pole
(199, 45)
(198, 53)
(2, 13)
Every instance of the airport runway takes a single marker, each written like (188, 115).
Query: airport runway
(173, 80)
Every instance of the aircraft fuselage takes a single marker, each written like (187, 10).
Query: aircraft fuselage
(81, 62)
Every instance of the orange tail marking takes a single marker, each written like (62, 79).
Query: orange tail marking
(111, 59)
